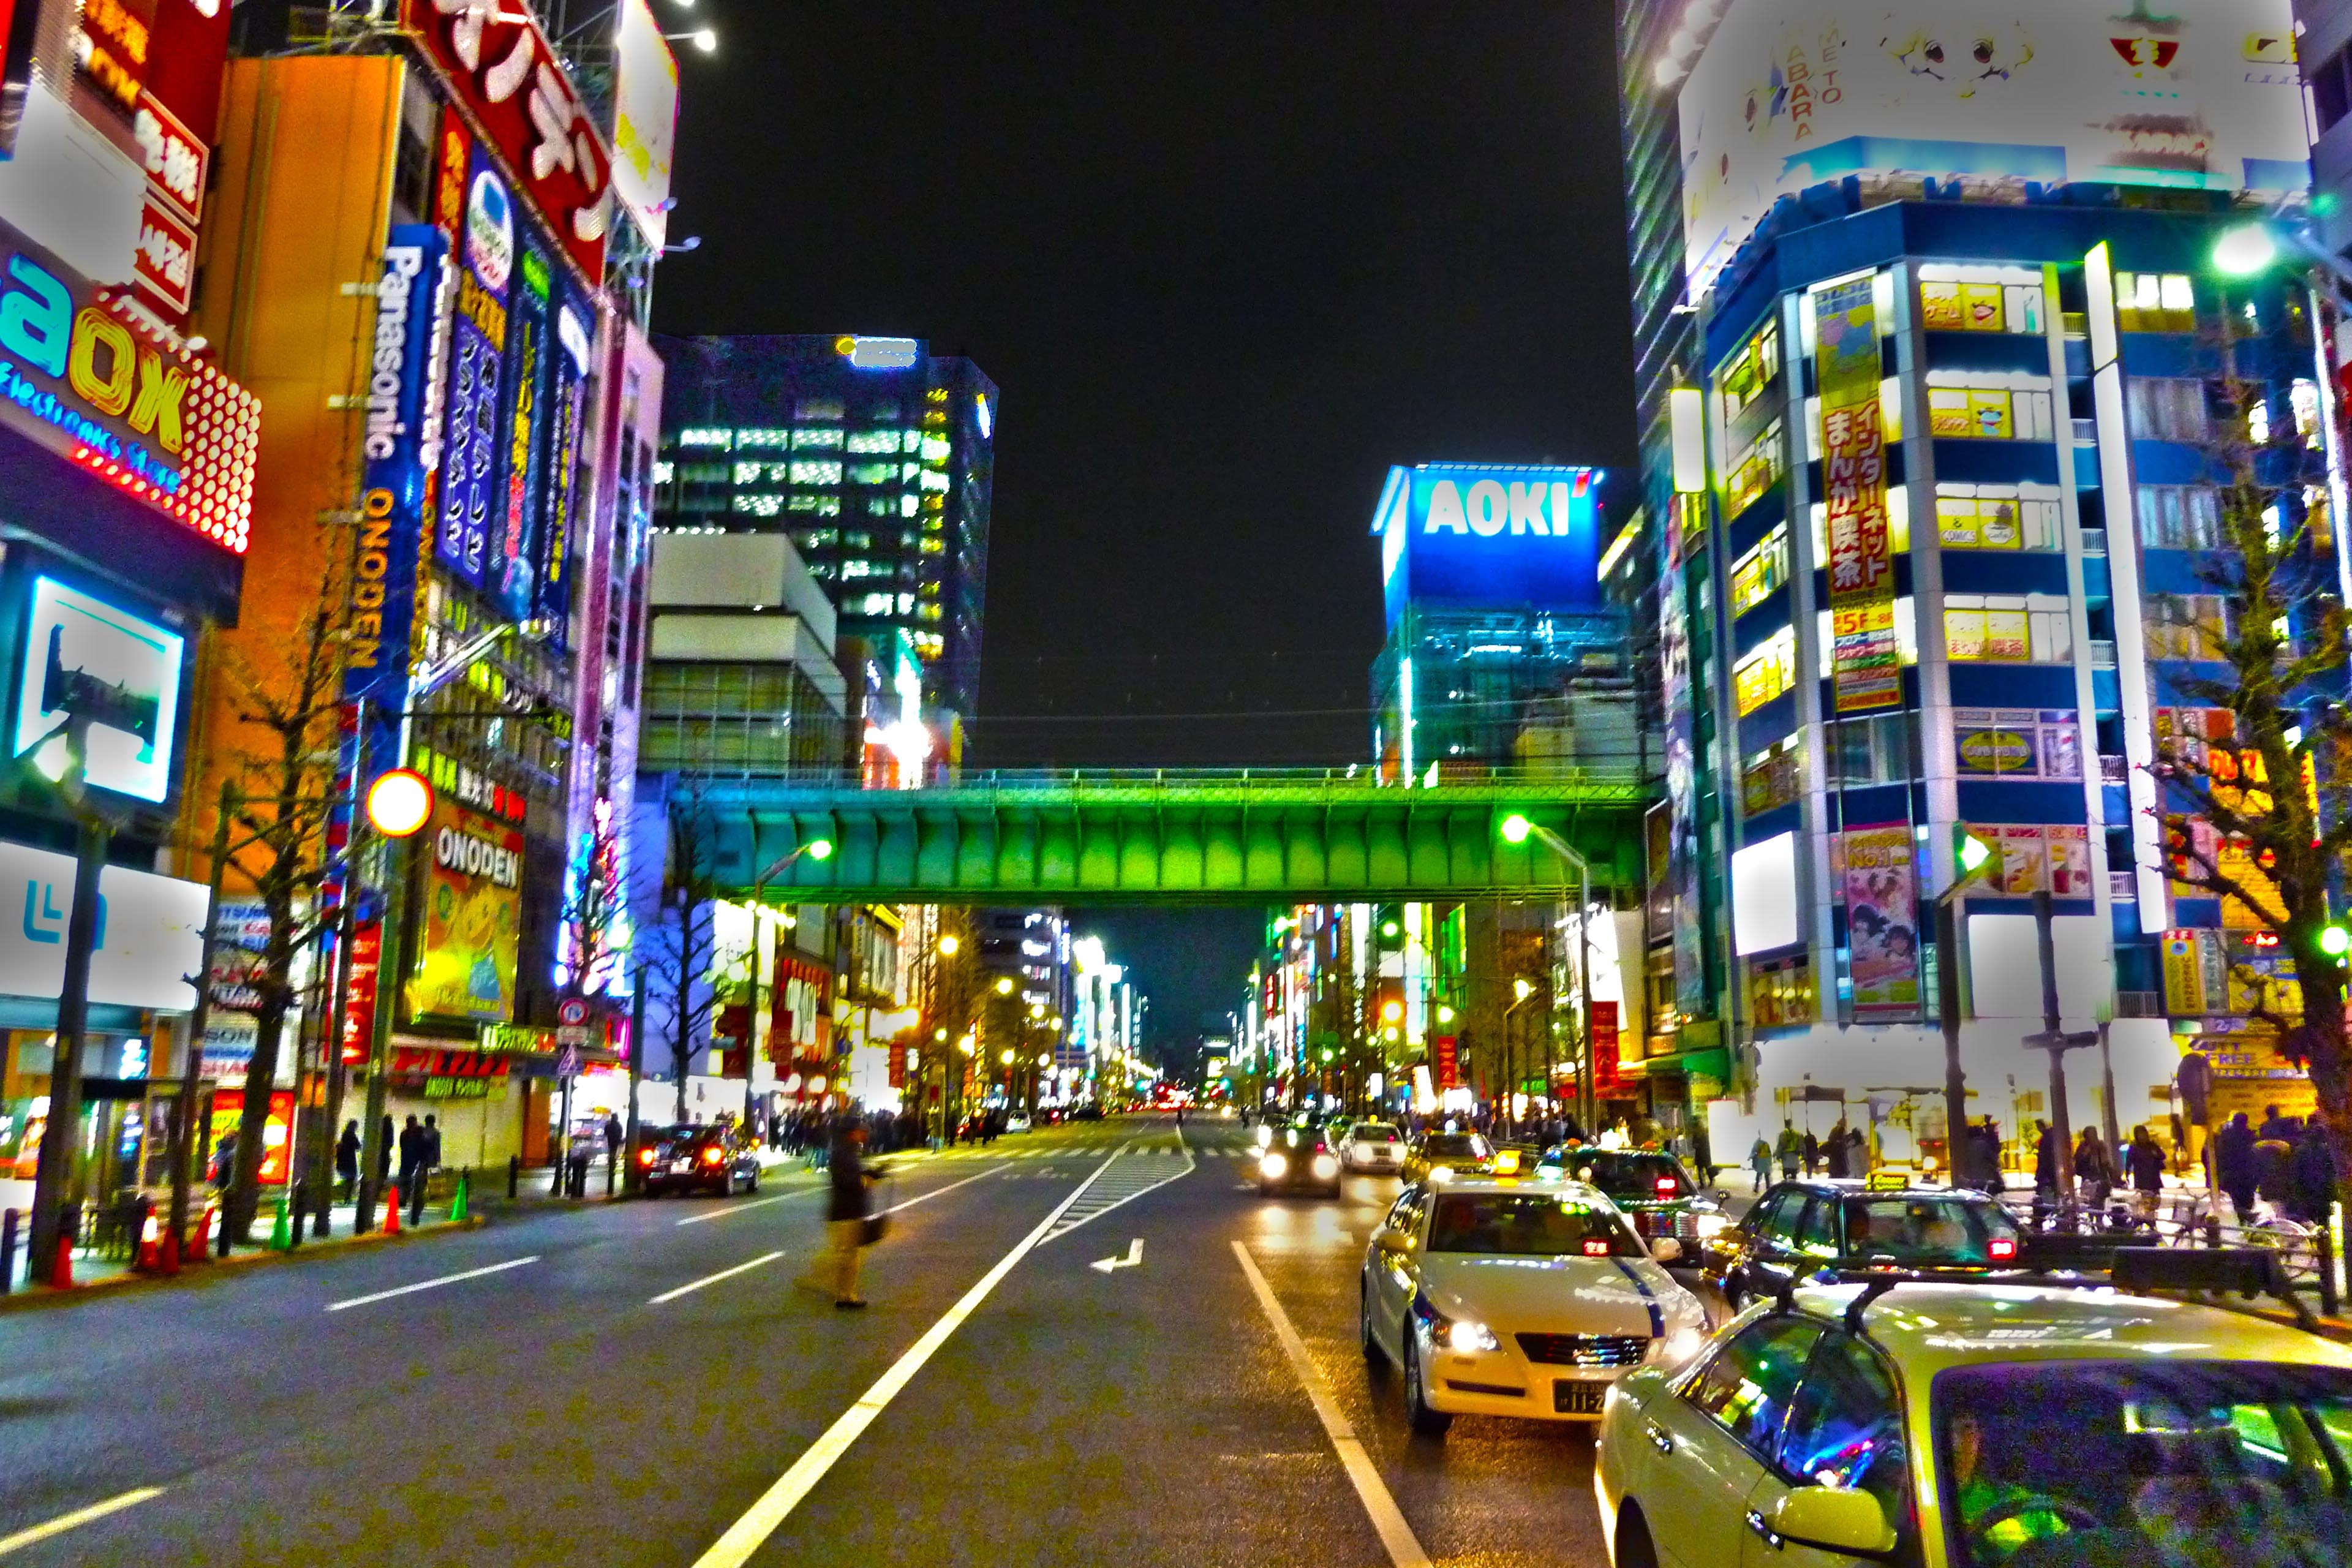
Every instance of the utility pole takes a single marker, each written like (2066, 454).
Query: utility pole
(57, 1176)
(2057, 1044)
(183, 1109)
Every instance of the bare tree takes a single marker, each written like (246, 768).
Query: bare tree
(676, 956)
(286, 789)
(2270, 848)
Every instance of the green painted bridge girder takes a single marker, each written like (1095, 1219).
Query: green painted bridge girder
(1240, 838)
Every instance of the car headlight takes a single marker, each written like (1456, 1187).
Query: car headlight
(1466, 1335)
(1677, 1347)
(1325, 1167)
(1711, 1226)
(1272, 1165)
(1264, 1135)
(1441, 1172)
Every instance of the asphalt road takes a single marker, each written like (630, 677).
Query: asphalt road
(643, 1383)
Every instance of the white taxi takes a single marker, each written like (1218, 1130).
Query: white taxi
(1938, 1424)
(1498, 1296)
(1373, 1146)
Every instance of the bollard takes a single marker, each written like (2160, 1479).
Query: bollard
(2327, 1295)
(281, 1230)
(514, 1176)
(7, 1252)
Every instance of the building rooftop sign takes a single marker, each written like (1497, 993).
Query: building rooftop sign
(1474, 536)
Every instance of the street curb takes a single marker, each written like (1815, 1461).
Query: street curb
(38, 1298)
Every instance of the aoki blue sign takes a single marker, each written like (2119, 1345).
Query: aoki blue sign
(1473, 536)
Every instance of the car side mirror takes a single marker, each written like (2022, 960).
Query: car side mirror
(1666, 1249)
(1834, 1519)
(1723, 1194)
(1388, 1238)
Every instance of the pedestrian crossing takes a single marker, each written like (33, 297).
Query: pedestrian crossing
(1124, 1180)
(1156, 1148)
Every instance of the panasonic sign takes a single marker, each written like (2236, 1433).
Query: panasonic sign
(1473, 536)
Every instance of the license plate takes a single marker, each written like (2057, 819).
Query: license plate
(681, 1166)
(1578, 1398)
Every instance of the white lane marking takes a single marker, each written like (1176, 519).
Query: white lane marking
(714, 1278)
(1138, 1185)
(432, 1284)
(754, 1204)
(1134, 1258)
(1404, 1550)
(76, 1519)
(935, 1192)
(746, 1535)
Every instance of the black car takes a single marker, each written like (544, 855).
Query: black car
(1657, 1190)
(698, 1160)
(1298, 1159)
(1799, 1227)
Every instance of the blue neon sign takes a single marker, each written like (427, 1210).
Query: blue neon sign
(1476, 536)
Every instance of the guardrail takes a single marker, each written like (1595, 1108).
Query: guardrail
(2307, 1253)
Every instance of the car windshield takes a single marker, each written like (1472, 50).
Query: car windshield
(1374, 1130)
(2200, 1464)
(1308, 1138)
(1925, 1230)
(1643, 1178)
(1536, 1224)
(1457, 1146)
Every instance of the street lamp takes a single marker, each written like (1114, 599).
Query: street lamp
(1004, 985)
(950, 944)
(2247, 249)
(702, 38)
(1517, 829)
(816, 849)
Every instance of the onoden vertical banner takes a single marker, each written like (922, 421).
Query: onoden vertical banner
(1865, 664)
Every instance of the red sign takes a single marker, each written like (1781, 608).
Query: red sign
(1448, 1069)
(359, 1003)
(426, 1062)
(276, 1134)
(505, 72)
(1604, 1029)
(189, 46)
(165, 262)
(898, 1067)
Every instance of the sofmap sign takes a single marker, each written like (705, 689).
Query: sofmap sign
(2194, 94)
(400, 444)
(505, 73)
(149, 931)
(84, 658)
(1474, 536)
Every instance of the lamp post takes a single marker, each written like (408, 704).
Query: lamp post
(816, 849)
(1516, 829)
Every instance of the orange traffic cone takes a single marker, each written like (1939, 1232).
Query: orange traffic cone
(150, 1243)
(169, 1254)
(62, 1279)
(203, 1250)
(392, 1211)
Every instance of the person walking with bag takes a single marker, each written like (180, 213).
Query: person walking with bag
(846, 1214)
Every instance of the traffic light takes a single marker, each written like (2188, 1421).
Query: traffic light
(1388, 926)
(2334, 940)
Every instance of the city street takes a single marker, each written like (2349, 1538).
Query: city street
(643, 1382)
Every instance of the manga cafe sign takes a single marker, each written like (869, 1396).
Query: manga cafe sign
(505, 74)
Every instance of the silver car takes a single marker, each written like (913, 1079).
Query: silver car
(1373, 1146)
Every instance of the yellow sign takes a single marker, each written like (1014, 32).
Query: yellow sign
(472, 913)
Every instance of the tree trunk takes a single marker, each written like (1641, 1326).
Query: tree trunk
(2330, 1064)
(261, 1078)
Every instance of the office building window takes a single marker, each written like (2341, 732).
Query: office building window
(1989, 412)
(1752, 373)
(815, 472)
(2168, 408)
(1755, 470)
(873, 473)
(1758, 575)
(774, 441)
(1877, 750)
(2017, 744)
(1979, 300)
(705, 436)
(1999, 628)
(2189, 626)
(1997, 517)
(2154, 302)
(756, 505)
(824, 439)
(1774, 776)
(1766, 672)
(2180, 517)
(817, 408)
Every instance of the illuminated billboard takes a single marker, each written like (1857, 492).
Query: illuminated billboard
(2194, 94)
(473, 906)
(119, 675)
(1477, 536)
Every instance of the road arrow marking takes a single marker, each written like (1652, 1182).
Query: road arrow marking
(1134, 1257)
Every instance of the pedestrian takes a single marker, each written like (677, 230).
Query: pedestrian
(2045, 1161)
(1857, 1160)
(1988, 1136)
(2275, 1172)
(2276, 1125)
(2233, 1166)
(347, 1158)
(1835, 1153)
(615, 1134)
(225, 1161)
(2314, 1172)
(850, 1205)
(383, 1154)
(412, 1169)
(1813, 1150)
(1789, 1148)
(2143, 1163)
(432, 1143)
(2094, 1174)
(1760, 1158)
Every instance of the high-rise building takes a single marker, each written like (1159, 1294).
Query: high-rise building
(1932, 435)
(872, 455)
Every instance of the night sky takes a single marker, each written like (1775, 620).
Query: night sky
(1227, 262)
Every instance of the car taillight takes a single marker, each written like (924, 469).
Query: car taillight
(2001, 1249)
(1666, 1186)
(644, 1156)
(713, 1156)
(1596, 1249)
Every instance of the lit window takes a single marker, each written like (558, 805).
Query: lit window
(2154, 302)
(815, 472)
(1766, 672)
(907, 505)
(823, 506)
(817, 408)
(1752, 373)
(1981, 300)
(664, 472)
(1997, 517)
(1758, 575)
(1994, 628)
(757, 505)
(1961, 407)
(1754, 471)
(934, 480)
(772, 439)
(935, 449)
(865, 443)
(821, 439)
(873, 473)
(703, 438)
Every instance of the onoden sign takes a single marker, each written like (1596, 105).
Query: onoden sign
(473, 904)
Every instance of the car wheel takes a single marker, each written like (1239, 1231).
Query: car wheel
(1418, 1414)
(1374, 1356)
(752, 1186)
(1635, 1547)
